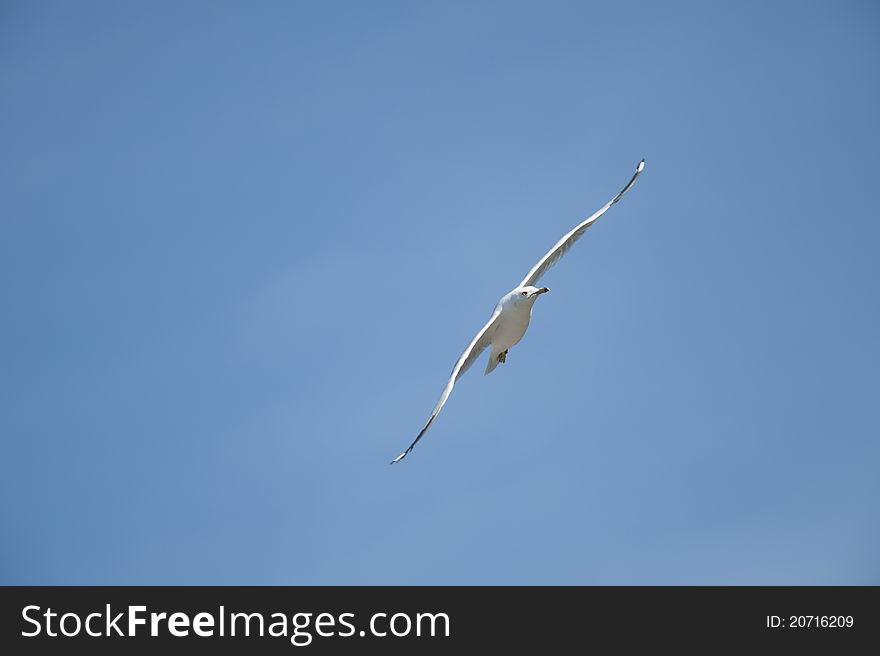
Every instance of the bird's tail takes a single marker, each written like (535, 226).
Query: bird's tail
(493, 362)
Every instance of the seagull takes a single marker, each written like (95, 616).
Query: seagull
(512, 314)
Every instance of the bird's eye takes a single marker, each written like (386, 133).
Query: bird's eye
(523, 293)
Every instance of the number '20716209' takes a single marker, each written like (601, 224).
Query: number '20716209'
(810, 621)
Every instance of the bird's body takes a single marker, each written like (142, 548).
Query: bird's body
(512, 323)
(512, 314)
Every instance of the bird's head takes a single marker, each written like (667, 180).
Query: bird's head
(526, 294)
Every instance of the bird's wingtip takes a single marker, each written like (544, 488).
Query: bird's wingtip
(641, 166)
(400, 457)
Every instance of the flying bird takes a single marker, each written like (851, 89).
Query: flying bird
(512, 314)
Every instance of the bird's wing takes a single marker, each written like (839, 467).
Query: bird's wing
(480, 341)
(552, 256)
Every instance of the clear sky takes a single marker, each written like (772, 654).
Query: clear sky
(242, 245)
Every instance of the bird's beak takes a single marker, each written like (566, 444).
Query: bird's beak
(543, 290)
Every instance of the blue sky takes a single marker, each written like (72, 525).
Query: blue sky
(242, 244)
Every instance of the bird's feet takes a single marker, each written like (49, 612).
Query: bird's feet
(502, 357)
